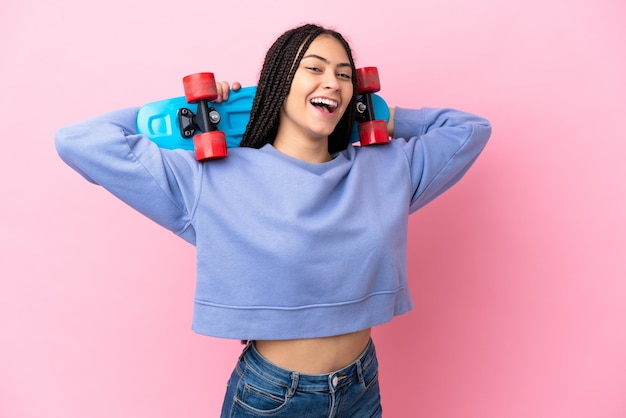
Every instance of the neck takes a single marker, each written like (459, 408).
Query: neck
(305, 150)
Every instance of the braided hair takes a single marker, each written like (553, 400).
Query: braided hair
(281, 62)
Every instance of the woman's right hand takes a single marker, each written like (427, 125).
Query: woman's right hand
(223, 90)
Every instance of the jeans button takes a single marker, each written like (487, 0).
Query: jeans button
(335, 380)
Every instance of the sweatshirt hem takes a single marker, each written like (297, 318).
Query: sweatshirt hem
(272, 323)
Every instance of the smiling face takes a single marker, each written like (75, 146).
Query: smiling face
(319, 95)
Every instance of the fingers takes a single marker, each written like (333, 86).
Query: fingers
(223, 90)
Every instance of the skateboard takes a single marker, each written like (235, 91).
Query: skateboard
(195, 122)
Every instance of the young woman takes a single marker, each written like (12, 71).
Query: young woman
(300, 236)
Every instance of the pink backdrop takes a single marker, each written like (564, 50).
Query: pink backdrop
(518, 273)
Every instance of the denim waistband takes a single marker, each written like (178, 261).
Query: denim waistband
(327, 382)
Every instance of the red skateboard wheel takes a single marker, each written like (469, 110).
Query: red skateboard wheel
(200, 86)
(373, 132)
(367, 80)
(210, 145)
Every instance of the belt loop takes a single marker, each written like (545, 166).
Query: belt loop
(245, 350)
(333, 380)
(359, 371)
(295, 378)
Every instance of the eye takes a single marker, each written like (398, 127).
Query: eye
(314, 69)
(345, 76)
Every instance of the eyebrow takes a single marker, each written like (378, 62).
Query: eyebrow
(341, 64)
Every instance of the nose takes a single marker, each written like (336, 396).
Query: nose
(330, 81)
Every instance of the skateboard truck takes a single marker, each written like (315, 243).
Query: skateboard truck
(206, 120)
(210, 143)
(371, 131)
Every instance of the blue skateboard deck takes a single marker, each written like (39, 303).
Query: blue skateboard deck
(160, 122)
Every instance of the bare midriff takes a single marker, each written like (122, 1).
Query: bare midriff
(315, 355)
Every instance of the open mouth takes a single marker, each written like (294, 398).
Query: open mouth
(327, 104)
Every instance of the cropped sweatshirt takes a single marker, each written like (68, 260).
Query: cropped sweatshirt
(285, 248)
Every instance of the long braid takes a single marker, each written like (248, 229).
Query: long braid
(281, 62)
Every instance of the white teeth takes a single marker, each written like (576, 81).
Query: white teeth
(326, 102)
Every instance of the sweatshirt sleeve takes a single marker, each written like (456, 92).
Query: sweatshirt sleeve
(440, 146)
(106, 150)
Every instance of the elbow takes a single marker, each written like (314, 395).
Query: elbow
(69, 144)
(64, 144)
(72, 142)
(70, 150)
(482, 132)
(479, 132)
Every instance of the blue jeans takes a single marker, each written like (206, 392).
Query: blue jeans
(258, 388)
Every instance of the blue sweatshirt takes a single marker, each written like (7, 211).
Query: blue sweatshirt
(286, 249)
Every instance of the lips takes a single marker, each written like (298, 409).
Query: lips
(329, 105)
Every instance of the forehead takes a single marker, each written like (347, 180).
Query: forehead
(328, 47)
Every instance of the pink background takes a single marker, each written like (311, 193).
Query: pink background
(517, 273)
